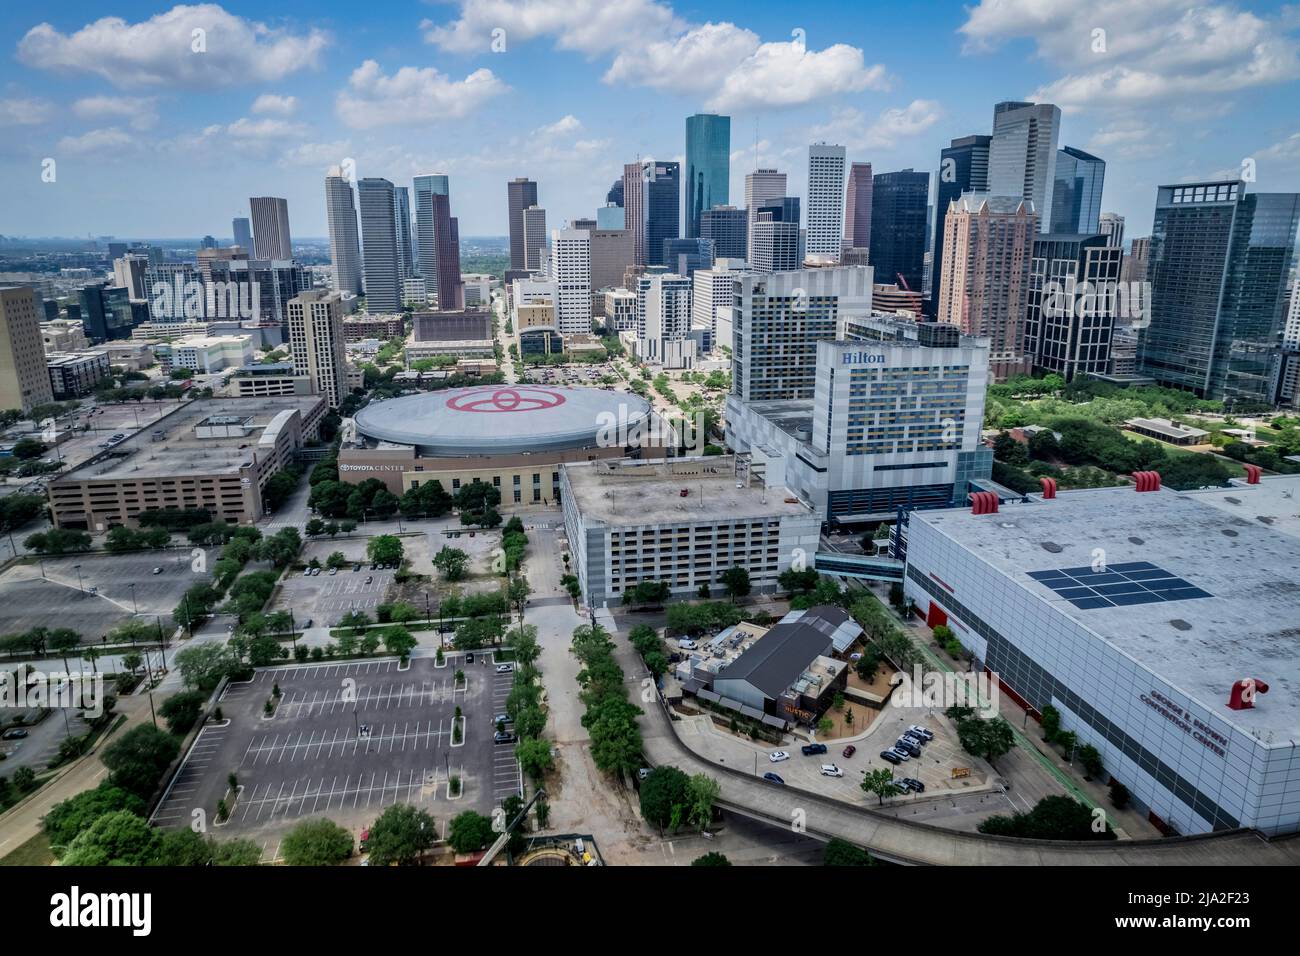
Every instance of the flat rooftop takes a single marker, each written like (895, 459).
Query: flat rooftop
(628, 492)
(1232, 612)
(176, 450)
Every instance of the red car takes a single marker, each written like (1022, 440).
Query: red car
(848, 751)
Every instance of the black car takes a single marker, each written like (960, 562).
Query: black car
(811, 749)
(15, 734)
(911, 783)
(890, 756)
(469, 658)
(772, 778)
(503, 737)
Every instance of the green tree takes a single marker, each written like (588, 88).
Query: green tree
(988, 738)
(398, 641)
(711, 859)
(702, 792)
(469, 831)
(1051, 818)
(400, 835)
(534, 756)
(70, 817)
(736, 581)
(136, 761)
(881, 783)
(318, 842)
(843, 853)
(452, 562)
(120, 838)
(385, 549)
(182, 710)
(663, 789)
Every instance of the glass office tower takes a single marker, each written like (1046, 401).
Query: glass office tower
(1076, 194)
(708, 166)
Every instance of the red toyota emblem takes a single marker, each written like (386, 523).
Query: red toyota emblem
(506, 400)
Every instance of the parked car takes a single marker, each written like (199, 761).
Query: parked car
(686, 644)
(916, 786)
(469, 658)
(810, 750)
(902, 743)
(776, 756)
(890, 756)
(830, 770)
(501, 719)
(306, 572)
(369, 578)
(15, 734)
(503, 737)
(334, 571)
(900, 753)
(848, 751)
(156, 571)
(505, 668)
(921, 732)
(773, 778)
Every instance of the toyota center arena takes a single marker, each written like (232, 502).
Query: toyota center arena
(514, 436)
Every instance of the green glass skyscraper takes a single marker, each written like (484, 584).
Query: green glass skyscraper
(1218, 270)
(708, 166)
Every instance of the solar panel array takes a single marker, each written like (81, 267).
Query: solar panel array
(1118, 585)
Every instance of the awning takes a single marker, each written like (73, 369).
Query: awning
(708, 695)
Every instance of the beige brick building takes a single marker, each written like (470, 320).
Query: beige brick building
(24, 380)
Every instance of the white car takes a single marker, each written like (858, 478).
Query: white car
(776, 756)
(830, 770)
(900, 753)
(505, 668)
(921, 732)
(687, 645)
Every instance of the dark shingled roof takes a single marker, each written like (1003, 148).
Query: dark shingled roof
(776, 659)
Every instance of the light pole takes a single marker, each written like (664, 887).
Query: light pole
(80, 588)
(135, 608)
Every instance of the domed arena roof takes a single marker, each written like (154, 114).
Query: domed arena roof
(502, 419)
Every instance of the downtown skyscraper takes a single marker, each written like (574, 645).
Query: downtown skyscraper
(857, 208)
(521, 194)
(345, 246)
(1022, 155)
(1076, 192)
(825, 201)
(762, 186)
(270, 216)
(708, 167)
(661, 200)
(898, 220)
(963, 168)
(634, 210)
(446, 242)
(379, 243)
(426, 245)
(1218, 268)
(402, 220)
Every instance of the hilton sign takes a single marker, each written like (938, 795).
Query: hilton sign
(862, 358)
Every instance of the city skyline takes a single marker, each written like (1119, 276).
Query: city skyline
(278, 101)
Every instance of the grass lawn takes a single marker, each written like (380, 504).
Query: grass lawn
(35, 852)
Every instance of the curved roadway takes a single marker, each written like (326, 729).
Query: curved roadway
(902, 841)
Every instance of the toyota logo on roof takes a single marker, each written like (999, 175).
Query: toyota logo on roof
(506, 400)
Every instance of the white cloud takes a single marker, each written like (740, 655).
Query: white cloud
(788, 74)
(109, 140)
(728, 66)
(1288, 149)
(1159, 51)
(23, 111)
(1129, 138)
(139, 111)
(851, 127)
(162, 50)
(274, 103)
(587, 26)
(317, 155)
(412, 95)
(564, 126)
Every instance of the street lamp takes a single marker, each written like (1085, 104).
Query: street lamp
(135, 608)
(80, 588)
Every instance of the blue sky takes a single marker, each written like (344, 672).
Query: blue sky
(151, 138)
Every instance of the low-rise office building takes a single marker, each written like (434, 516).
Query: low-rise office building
(462, 333)
(207, 353)
(367, 326)
(263, 381)
(1161, 625)
(73, 374)
(683, 521)
(216, 454)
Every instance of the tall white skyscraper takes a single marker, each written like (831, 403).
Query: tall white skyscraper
(825, 201)
(426, 245)
(664, 315)
(570, 262)
(762, 186)
(1022, 156)
(379, 253)
(271, 227)
(345, 248)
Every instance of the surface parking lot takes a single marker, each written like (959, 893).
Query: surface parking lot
(346, 741)
(125, 583)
